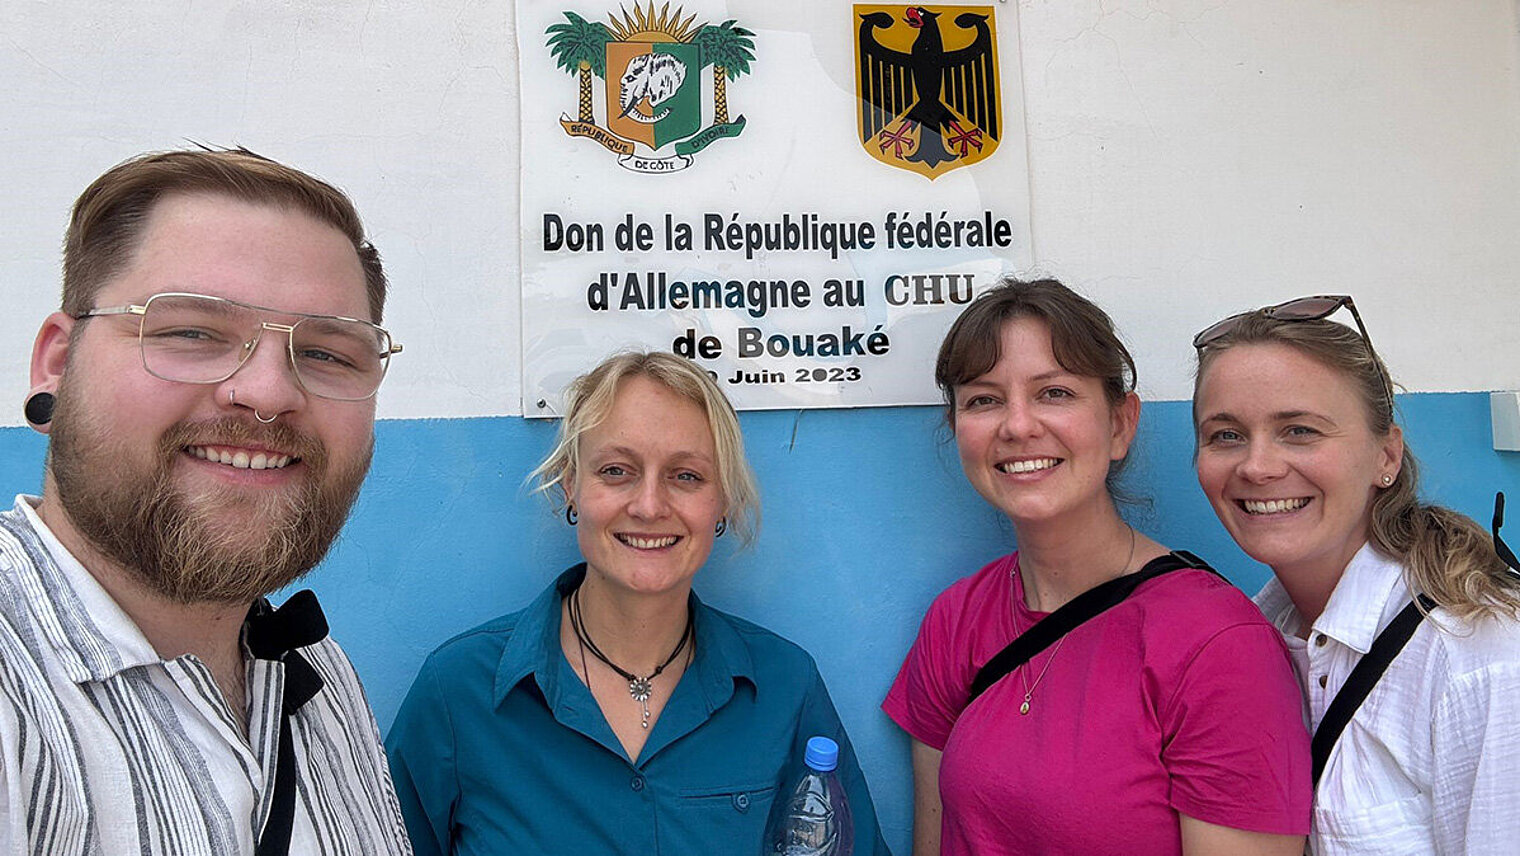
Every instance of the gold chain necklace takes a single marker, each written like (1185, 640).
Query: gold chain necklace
(1024, 672)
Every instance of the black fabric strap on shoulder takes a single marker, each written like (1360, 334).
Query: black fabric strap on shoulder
(275, 634)
(1363, 678)
(1079, 609)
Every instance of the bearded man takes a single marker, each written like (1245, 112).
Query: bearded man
(208, 391)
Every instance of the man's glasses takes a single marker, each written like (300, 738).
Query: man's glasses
(194, 338)
(1299, 309)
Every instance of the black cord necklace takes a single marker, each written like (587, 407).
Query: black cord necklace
(638, 688)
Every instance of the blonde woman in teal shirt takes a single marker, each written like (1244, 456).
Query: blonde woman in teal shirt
(617, 713)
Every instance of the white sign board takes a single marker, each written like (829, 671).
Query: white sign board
(771, 193)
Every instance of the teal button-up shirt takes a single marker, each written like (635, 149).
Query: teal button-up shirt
(499, 748)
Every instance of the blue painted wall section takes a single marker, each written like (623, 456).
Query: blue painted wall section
(866, 518)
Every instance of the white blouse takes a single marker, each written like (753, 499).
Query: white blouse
(1430, 763)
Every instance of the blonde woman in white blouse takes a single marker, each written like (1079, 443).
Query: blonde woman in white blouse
(1302, 461)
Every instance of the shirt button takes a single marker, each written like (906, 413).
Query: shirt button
(1323, 679)
(637, 784)
(741, 802)
(1320, 640)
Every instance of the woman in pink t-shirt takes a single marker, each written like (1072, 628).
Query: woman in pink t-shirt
(1168, 724)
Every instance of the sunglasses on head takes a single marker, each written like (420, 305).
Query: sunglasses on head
(1312, 308)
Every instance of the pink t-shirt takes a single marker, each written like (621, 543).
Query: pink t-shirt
(1180, 699)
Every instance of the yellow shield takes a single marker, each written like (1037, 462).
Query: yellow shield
(928, 85)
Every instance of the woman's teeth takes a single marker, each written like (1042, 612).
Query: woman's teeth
(1273, 506)
(648, 543)
(1027, 466)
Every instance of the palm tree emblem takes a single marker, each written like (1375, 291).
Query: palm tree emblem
(580, 47)
(728, 49)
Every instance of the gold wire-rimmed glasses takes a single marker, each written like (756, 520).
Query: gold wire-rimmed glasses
(1311, 308)
(197, 338)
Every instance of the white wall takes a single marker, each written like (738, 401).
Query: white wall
(1180, 149)
(408, 106)
(1184, 156)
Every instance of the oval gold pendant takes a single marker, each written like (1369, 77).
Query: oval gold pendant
(1024, 708)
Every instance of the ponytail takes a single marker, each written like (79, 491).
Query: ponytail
(1446, 555)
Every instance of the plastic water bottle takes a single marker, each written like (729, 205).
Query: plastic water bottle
(812, 817)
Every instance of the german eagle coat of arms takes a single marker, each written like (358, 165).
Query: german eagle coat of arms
(927, 80)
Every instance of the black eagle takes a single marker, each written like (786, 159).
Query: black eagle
(928, 85)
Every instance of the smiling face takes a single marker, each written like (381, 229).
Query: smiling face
(1287, 458)
(164, 478)
(648, 493)
(1036, 440)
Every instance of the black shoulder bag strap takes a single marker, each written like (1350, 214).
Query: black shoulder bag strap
(1363, 678)
(1079, 609)
(274, 634)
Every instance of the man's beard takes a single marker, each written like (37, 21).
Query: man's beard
(223, 544)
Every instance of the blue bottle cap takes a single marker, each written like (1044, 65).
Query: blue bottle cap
(822, 754)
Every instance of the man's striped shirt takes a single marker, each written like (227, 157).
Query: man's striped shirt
(107, 749)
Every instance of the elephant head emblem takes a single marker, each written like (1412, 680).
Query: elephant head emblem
(653, 76)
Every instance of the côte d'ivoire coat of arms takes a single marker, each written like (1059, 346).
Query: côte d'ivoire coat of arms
(927, 79)
(650, 67)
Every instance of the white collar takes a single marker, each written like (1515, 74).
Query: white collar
(1370, 592)
(100, 639)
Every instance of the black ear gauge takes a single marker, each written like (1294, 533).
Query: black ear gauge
(39, 408)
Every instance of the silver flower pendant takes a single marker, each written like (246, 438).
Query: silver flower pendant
(640, 688)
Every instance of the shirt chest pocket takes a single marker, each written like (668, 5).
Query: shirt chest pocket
(1400, 826)
(727, 813)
